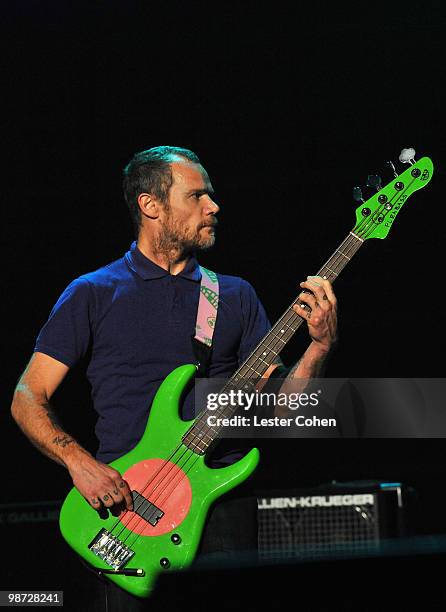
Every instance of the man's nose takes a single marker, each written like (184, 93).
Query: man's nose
(212, 207)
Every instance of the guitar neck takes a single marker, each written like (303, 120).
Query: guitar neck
(267, 351)
(200, 436)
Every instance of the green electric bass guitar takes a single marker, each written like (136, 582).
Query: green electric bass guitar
(172, 487)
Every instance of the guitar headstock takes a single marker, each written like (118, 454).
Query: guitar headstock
(375, 217)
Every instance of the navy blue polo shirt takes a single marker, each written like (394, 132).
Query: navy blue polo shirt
(137, 320)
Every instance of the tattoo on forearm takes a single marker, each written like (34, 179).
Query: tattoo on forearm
(62, 440)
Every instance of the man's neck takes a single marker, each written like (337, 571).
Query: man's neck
(173, 261)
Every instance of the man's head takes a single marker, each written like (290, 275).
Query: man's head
(150, 172)
(168, 193)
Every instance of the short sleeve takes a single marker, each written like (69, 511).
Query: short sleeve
(255, 322)
(67, 333)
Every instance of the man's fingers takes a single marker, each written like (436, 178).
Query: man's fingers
(322, 287)
(107, 500)
(102, 486)
(94, 501)
(116, 495)
(309, 299)
(126, 493)
(119, 492)
(306, 313)
(318, 294)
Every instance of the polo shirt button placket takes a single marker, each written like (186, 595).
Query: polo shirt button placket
(176, 318)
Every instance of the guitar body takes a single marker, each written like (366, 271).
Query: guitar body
(179, 488)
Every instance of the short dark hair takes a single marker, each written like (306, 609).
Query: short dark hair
(150, 172)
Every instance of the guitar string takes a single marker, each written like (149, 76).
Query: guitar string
(366, 222)
(221, 412)
(364, 228)
(287, 317)
(160, 482)
(183, 471)
(275, 340)
(139, 519)
(180, 471)
(120, 520)
(172, 465)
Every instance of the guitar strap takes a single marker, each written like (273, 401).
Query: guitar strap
(206, 318)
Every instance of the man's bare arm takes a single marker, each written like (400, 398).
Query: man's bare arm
(322, 326)
(35, 416)
(31, 409)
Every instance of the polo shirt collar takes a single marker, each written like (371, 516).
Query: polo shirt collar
(149, 270)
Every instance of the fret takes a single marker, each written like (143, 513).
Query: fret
(288, 327)
(270, 350)
(344, 255)
(202, 435)
(334, 273)
(265, 354)
(260, 374)
(194, 445)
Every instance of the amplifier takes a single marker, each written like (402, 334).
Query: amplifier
(337, 519)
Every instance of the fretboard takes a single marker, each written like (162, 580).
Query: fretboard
(200, 436)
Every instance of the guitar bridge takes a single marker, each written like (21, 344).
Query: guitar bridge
(110, 549)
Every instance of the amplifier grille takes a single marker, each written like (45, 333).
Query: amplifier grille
(315, 526)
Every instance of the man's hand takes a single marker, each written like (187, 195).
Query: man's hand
(322, 318)
(100, 484)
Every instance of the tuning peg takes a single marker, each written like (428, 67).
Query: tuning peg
(407, 156)
(389, 163)
(373, 180)
(357, 194)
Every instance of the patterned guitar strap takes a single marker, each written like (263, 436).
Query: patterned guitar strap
(206, 319)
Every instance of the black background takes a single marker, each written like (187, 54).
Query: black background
(288, 107)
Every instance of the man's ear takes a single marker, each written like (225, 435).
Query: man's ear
(149, 205)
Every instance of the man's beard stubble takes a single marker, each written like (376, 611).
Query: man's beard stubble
(176, 240)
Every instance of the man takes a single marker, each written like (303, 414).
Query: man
(136, 316)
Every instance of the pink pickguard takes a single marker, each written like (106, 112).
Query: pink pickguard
(164, 484)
